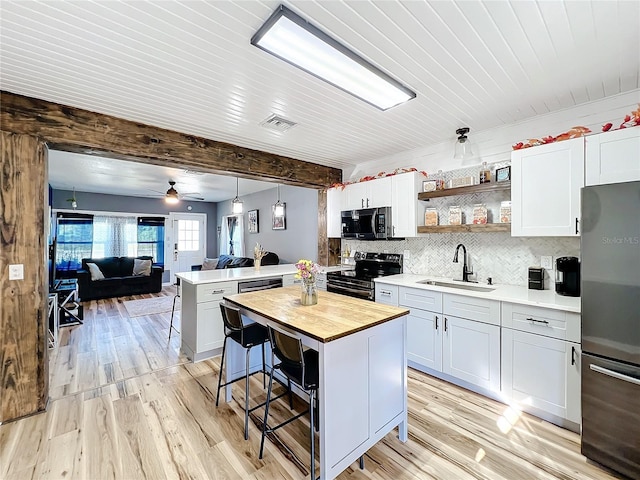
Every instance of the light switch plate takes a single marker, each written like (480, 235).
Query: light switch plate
(407, 254)
(16, 272)
(546, 261)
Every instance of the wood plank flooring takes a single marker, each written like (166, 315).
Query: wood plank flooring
(156, 420)
(111, 346)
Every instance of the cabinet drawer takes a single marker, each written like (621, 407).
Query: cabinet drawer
(209, 292)
(418, 298)
(542, 321)
(387, 294)
(479, 309)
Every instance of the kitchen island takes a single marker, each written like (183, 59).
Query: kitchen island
(363, 366)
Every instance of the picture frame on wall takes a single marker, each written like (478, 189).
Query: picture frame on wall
(253, 217)
(503, 174)
(278, 222)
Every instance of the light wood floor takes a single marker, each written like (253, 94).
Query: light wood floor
(160, 421)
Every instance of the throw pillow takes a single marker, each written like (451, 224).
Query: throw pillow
(141, 267)
(209, 264)
(94, 270)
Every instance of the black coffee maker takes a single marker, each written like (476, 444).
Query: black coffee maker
(568, 276)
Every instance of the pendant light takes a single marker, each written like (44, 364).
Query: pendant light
(236, 203)
(278, 208)
(74, 203)
(463, 149)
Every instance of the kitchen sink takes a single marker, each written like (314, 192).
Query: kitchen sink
(462, 286)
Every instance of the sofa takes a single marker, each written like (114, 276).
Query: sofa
(230, 261)
(119, 278)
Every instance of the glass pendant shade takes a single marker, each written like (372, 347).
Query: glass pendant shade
(463, 149)
(236, 203)
(278, 208)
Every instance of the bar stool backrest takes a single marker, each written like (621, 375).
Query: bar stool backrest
(231, 318)
(289, 351)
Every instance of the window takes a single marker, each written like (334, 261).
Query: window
(114, 237)
(188, 235)
(74, 238)
(151, 238)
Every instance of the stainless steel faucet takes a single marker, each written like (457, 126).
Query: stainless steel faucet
(465, 269)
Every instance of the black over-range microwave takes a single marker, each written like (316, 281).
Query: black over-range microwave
(367, 223)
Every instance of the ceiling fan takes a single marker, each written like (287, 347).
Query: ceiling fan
(172, 195)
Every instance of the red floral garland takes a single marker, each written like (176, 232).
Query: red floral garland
(631, 120)
(366, 178)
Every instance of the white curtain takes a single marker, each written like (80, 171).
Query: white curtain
(232, 235)
(114, 237)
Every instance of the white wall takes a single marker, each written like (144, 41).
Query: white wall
(298, 240)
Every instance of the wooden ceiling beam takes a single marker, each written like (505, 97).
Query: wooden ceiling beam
(81, 131)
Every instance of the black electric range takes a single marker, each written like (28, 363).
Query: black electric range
(359, 282)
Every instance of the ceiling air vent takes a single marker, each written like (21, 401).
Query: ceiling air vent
(280, 124)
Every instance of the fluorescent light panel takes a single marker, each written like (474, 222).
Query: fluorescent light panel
(289, 37)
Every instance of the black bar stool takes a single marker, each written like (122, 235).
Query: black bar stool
(247, 336)
(173, 308)
(300, 367)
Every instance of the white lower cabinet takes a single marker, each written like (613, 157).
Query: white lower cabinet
(424, 339)
(471, 352)
(542, 373)
(465, 348)
(202, 328)
(541, 360)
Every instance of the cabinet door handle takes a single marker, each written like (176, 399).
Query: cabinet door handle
(367, 203)
(362, 202)
(534, 320)
(436, 322)
(577, 226)
(216, 291)
(386, 293)
(445, 323)
(573, 355)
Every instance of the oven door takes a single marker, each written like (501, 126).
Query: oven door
(344, 288)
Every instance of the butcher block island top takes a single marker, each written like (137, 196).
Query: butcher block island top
(333, 317)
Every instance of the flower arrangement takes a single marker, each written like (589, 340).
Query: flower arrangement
(307, 270)
(258, 252)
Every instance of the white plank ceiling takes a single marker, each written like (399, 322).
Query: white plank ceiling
(189, 66)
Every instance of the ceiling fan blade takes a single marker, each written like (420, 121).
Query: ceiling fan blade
(191, 197)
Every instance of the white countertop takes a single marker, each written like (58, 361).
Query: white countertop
(244, 273)
(503, 293)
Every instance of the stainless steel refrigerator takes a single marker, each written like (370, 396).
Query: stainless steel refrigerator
(610, 299)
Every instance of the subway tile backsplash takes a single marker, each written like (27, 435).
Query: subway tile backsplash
(497, 255)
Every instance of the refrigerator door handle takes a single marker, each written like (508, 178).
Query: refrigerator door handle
(611, 373)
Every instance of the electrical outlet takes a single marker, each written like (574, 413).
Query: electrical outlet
(407, 254)
(546, 261)
(16, 272)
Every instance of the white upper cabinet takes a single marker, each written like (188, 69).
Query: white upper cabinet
(371, 194)
(404, 208)
(545, 189)
(613, 157)
(334, 207)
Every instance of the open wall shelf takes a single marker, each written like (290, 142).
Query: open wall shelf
(487, 227)
(483, 187)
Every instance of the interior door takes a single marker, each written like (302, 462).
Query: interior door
(188, 240)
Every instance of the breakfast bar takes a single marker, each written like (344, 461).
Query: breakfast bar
(363, 365)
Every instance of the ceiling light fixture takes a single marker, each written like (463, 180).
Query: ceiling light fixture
(74, 203)
(172, 194)
(278, 208)
(291, 38)
(463, 149)
(236, 203)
